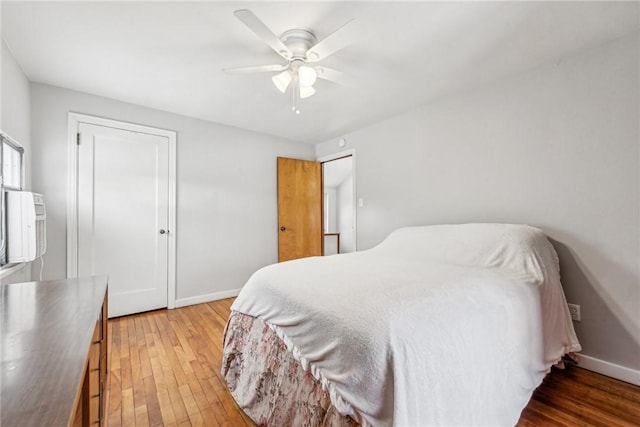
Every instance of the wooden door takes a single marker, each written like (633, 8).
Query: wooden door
(123, 196)
(299, 209)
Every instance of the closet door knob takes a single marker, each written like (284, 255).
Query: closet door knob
(162, 231)
(283, 228)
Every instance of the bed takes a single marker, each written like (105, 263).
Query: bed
(437, 325)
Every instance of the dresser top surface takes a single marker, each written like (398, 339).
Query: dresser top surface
(46, 330)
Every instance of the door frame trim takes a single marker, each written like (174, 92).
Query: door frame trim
(74, 121)
(338, 155)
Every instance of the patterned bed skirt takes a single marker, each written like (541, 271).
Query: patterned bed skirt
(268, 383)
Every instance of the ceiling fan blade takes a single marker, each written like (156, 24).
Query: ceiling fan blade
(249, 19)
(337, 40)
(256, 69)
(334, 76)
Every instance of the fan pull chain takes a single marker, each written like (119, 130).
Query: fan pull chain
(293, 94)
(296, 96)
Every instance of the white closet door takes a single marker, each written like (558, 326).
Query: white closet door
(122, 202)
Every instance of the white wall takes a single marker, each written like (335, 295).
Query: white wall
(15, 122)
(15, 103)
(556, 147)
(226, 189)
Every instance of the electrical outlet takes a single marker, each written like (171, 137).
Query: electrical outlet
(574, 309)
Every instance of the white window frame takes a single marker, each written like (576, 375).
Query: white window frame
(6, 139)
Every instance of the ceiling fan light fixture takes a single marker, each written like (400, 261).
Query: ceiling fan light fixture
(306, 91)
(307, 76)
(301, 49)
(282, 80)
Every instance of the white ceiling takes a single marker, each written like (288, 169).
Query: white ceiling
(169, 55)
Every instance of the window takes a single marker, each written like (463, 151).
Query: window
(11, 165)
(11, 177)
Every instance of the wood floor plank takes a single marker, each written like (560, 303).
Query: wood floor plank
(537, 413)
(177, 403)
(153, 403)
(580, 406)
(197, 420)
(142, 418)
(125, 369)
(165, 371)
(113, 331)
(166, 409)
(198, 394)
(124, 331)
(145, 362)
(128, 410)
(187, 398)
(209, 417)
(114, 395)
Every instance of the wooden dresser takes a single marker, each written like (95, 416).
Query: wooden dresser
(53, 352)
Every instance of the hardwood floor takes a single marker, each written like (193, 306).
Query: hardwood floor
(165, 371)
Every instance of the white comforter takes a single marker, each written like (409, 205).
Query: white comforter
(438, 325)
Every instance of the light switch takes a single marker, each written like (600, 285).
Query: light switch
(360, 202)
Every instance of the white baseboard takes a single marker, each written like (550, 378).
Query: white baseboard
(183, 302)
(612, 370)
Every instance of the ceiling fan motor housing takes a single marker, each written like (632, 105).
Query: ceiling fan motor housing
(298, 42)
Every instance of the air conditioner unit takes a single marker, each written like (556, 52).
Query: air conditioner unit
(26, 226)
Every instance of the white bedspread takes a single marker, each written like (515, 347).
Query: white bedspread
(438, 325)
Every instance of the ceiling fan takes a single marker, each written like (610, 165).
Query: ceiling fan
(302, 51)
